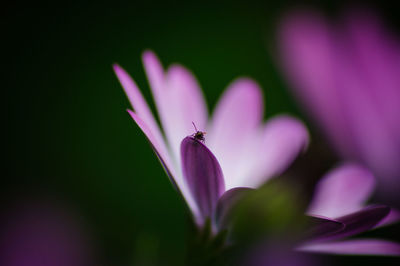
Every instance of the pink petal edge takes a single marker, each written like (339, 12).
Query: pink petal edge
(178, 179)
(341, 191)
(375, 247)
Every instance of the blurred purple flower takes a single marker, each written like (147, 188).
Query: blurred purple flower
(339, 213)
(248, 151)
(42, 233)
(348, 76)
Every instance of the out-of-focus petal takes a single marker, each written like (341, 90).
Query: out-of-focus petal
(234, 121)
(175, 177)
(226, 203)
(377, 145)
(377, 52)
(322, 227)
(347, 75)
(342, 191)
(361, 221)
(354, 247)
(43, 232)
(280, 142)
(309, 57)
(185, 105)
(203, 175)
(391, 218)
(270, 151)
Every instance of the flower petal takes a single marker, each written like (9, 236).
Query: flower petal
(377, 52)
(377, 145)
(155, 144)
(280, 142)
(309, 55)
(226, 203)
(235, 119)
(391, 218)
(185, 105)
(203, 175)
(322, 227)
(361, 221)
(156, 78)
(174, 177)
(354, 247)
(342, 191)
(141, 108)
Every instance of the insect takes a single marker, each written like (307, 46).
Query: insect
(198, 135)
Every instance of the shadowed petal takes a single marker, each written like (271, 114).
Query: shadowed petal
(185, 105)
(322, 227)
(355, 247)
(361, 221)
(226, 203)
(342, 191)
(391, 218)
(235, 119)
(203, 175)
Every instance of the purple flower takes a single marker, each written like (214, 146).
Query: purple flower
(248, 151)
(338, 212)
(348, 76)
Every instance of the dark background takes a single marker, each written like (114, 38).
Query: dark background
(69, 139)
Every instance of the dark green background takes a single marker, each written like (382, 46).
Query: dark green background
(68, 136)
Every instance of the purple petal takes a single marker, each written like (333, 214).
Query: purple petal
(309, 56)
(235, 119)
(361, 221)
(342, 191)
(142, 110)
(375, 141)
(156, 77)
(203, 175)
(348, 79)
(354, 247)
(391, 218)
(378, 55)
(321, 227)
(365, 76)
(226, 203)
(281, 141)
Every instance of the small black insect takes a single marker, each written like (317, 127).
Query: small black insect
(199, 135)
